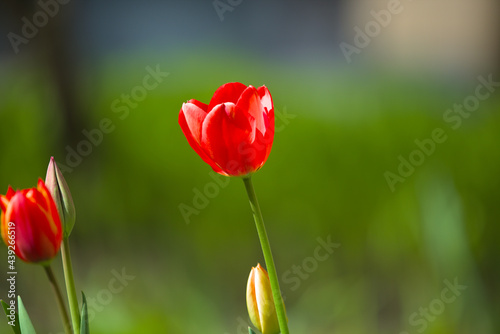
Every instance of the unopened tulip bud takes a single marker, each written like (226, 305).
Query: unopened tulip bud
(260, 302)
(62, 197)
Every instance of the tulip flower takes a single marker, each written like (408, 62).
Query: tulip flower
(234, 132)
(37, 226)
(260, 302)
(59, 190)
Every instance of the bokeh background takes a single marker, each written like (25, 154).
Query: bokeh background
(344, 123)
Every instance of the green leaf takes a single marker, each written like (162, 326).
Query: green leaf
(250, 330)
(84, 319)
(15, 328)
(24, 319)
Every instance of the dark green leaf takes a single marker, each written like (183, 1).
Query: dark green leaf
(15, 328)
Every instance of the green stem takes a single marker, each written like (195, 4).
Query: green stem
(268, 256)
(70, 286)
(60, 302)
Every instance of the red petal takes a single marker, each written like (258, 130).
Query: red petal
(214, 133)
(195, 145)
(10, 193)
(52, 213)
(265, 98)
(199, 104)
(241, 153)
(38, 232)
(229, 92)
(229, 145)
(194, 116)
(249, 104)
(36, 197)
(263, 145)
(18, 214)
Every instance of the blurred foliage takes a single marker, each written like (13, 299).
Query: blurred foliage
(324, 179)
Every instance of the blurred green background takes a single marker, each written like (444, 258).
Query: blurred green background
(340, 128)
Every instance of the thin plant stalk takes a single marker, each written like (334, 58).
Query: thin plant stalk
(59, 298)
(70, 286)
(268, 256)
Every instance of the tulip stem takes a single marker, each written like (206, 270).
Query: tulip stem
(268, 256)
(60, 301)
(70, 285)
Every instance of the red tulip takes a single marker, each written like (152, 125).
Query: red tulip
(234, 132)
(37, 226)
